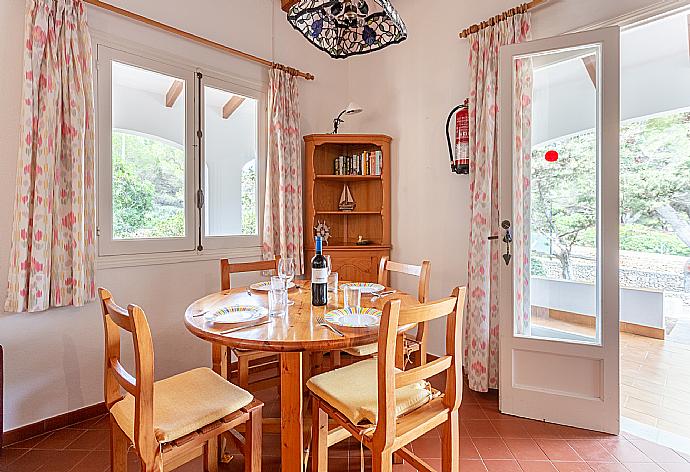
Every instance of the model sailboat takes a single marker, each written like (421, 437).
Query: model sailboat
(347, 203)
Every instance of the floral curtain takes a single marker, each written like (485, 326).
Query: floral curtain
(283, 231)
(481, 323)
(53, 248)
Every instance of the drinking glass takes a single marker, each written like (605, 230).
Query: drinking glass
(286, 271)
(333, 282)
(352, 297)
(277, 298)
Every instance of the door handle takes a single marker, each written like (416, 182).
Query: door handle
(507, 238)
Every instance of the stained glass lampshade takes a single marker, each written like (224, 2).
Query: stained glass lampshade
(345, 28)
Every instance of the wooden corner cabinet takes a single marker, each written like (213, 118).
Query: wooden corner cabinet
(369, 182)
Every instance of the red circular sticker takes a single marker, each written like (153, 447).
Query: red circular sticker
(551, 156)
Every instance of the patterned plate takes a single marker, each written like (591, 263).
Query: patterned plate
(266, 286)
(235, 314)
(353, 318)
(365, 287)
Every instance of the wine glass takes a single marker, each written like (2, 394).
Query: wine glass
(286, 271)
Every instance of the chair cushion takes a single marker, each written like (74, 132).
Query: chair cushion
(363, 351)
(353, 391)
(184, 403)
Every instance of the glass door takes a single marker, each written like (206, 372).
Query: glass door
(559, 220)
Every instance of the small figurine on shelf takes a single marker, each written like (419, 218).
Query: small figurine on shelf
(361, 241)
(347, 203)
(323, 230)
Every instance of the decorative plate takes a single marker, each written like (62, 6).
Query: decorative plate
(365, 287)
(236, 314)
(266, 286)
(353, 318)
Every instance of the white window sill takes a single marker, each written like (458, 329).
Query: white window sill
(136, 260)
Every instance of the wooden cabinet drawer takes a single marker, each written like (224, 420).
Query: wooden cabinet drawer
(357, 265)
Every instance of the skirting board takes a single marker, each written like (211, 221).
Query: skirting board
(64, 419)
(56, 422)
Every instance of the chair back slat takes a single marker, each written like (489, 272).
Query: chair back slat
(227, 268)
(386, 266)
(427, 311)
(408, 269)
(124, 379)
(117, 314)
(423, 372)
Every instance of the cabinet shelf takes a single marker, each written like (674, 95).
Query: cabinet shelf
(347, 178)
(318, 212)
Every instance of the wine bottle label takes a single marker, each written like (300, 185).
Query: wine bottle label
(319, 276)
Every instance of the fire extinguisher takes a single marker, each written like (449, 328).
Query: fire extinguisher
(460, 159)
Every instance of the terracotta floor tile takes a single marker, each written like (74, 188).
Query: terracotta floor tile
(643, 467)
(480, 429)
(492, 448)
(539, 429)
(510, 428)
(63, 461)
(91, 440)
(427, 448)
(467, 465)
(472, 412)
(626, 452)
(607, 466)
(525, 449)
(572, 467)
(537, 466)
(558, 450)
(95, 461)
(502, 466)
(656, 452)
(591, 450)
(467, 449)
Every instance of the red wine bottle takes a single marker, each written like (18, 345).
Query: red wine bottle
(319, 276)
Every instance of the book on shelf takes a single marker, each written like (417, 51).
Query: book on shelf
(366, 163)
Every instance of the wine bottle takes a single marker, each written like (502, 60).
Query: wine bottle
(319, 276)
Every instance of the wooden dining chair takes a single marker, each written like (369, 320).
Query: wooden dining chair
(416, 343)
(385, 408)
(247, 360)
(175, 420)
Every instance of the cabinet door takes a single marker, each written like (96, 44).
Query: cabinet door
(357, 266)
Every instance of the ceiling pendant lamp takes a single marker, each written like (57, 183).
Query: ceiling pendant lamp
(344, 28)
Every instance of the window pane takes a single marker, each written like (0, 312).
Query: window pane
(148, 154)
(563, 221)
(230, 137)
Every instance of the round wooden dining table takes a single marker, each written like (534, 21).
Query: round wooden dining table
(291, 336)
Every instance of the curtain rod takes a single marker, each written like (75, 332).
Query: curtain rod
(197, 39)
(506, 14)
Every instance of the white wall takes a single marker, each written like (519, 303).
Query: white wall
(407, 91)
(53, 360)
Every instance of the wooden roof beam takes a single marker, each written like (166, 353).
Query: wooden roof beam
(173, 93)
(232, 105)
(590, 63)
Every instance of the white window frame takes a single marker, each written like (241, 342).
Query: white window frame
(107, 245)
(227, 84)
(111, 254)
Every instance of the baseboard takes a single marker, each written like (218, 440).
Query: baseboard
(72, 417)
(56, 422)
